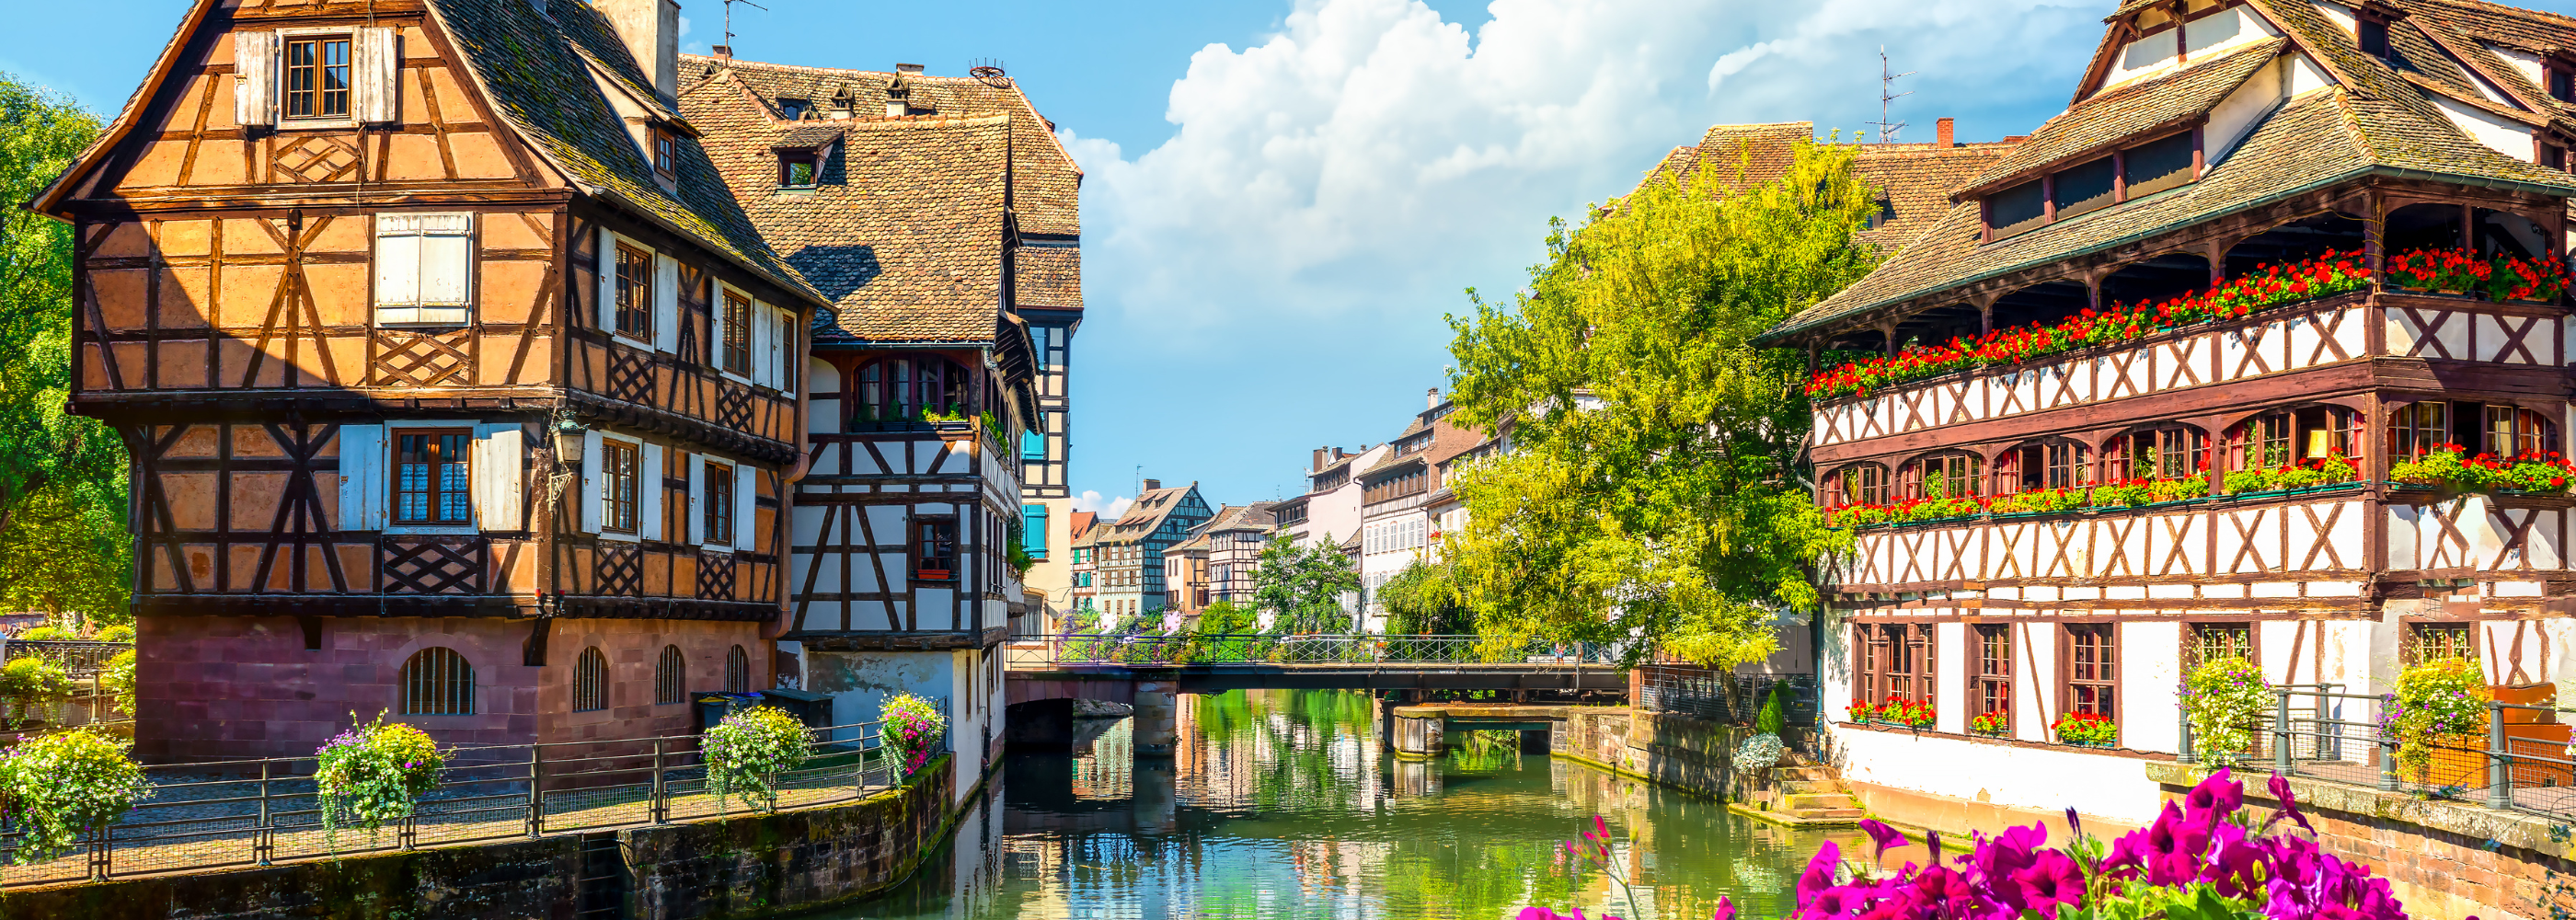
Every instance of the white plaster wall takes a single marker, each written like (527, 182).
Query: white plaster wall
(860, 683)
(2306, 76)
(2510, 138)
(2340, 13)
(2150, 676)
(2234, 28)
(2236, 116)
(2039, 686)
(2094, 784)
(2521, 60)
(1952, 700)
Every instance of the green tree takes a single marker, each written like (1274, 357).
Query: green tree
(63, 543)
(1652, 490)
(1226, 618)
(1422, 601)
(1303, 585)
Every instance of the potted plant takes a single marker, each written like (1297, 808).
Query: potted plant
(2439, 717)
(2085, 729)
(372, 774)
(910, 727)
(1913, 714)
(747, 751)
(1994, 724)
(2226, 700)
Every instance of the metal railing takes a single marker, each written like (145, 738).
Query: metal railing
(82, 658)
(220, 814)
(2521, 760)
(1239, 649)
(1724, 696)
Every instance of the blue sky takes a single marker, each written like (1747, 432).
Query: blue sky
(1284, 198)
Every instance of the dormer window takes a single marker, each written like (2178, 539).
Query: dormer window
(2553, 155)
(2558, 75)
(793, 109)
(2171, 161)
(844, 103)
(2370, 27)
(799, 168)
(666, 154)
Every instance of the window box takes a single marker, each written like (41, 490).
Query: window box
(935, 575)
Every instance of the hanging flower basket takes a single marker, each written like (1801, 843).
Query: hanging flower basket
(747, 751)
(374, 773)
(911, 727)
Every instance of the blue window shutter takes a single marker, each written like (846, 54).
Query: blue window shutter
(1032, 446)
(1033, 530)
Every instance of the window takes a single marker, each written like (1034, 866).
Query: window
(437, 682)
(799, 169)
(2207, 642)
(634, 293)
(2553, 156)
(737, 671)
(1991, 686)
(2092, 670)
(2419, 428)
(1859, 483)
(2428, 642)
(735, 355)
(2263, 443)
(617, 475)
(2052, 465)
(717, 504)
(433, 473)
(1944, 476)
(2512, 432)
(905, 392)
(2016, 209)
(793, 109)
(1895, 661)
(666, 154)
(2561, 81)
(317, 77)
(934, 549)
(2157, 165)
(590, 681)
(2157, 452)
(422, 265)
(2082, 188)
(670, 675)
(2373, 33)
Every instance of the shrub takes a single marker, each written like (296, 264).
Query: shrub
(1775, 711)
(48, 634)
(117, 633)
(60, 785)
(1759, 752)
(118, 680)
(746, 752)
(374, 773)
(2225, 699)
(31, 681)
(911, 729)
(2087, 729)
(2434, 699)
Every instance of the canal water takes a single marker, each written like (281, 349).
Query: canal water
(1280, 804)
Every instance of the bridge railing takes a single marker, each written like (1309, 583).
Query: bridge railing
(1336, 649)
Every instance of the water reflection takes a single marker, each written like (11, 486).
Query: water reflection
(1281, 804)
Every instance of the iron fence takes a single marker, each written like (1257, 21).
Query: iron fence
(1724, 696)
(2520, 761)
(220, 814)
(1238, 649)
(81, 658)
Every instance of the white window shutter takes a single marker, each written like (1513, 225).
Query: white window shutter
(648, 491)
(759, 322)
(397, 272)
(362, 477)
(666, 303)
(746, 497)
(591, 483)
(607, 280)
(374, 65)
(446, 266)
(694, 520)
(498, 476)
(255, 78)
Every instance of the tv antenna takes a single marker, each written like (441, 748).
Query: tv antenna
(728, 17)
(1886, 81)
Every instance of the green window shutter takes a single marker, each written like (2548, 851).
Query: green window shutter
(1033, 530)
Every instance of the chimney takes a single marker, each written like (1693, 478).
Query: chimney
(1152, 484)
(1431, 400)
(913, 69)
(723, 51)
(1318, 462)
(1947, 136)
(651, 29)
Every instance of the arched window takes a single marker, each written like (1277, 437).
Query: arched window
(738, 670)
(898, 392)
(437, 682)
(1859, 483)
(1952, 475)
(2155, 452)
(2056, 463)
(670, 676)
(590, 681)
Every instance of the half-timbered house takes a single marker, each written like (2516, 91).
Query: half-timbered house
(914, 203)
(2208, 142)
(1130, 549)
(409, 313)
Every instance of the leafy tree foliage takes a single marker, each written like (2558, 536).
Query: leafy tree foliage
(1653, 487)
(63, 544)
(1422, 601)
(1226, 618)
(1303, 585)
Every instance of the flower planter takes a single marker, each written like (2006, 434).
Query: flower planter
(2458, 760)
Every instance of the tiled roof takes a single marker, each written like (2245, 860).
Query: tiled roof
(1915, 179)
(1255, 516)
(1148, 512)
(2375, 120)
(1046, 185)
(1048, 276)
(537, 71)
(1447, 440)
(904, 228)
(1744, 155)
(2129, 111)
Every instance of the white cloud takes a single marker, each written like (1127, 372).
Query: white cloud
(1370, 156)
(1108, 508)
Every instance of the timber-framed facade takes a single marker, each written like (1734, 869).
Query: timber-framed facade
(413, 317)
(2209, 141)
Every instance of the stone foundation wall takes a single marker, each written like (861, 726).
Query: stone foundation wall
(2445, 860)
(1677, 751)
(735, 868)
